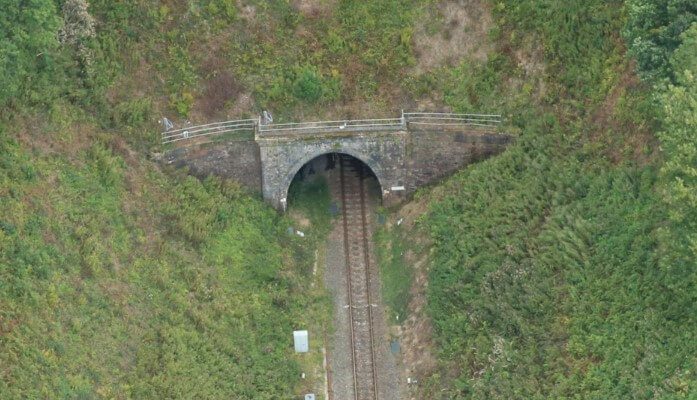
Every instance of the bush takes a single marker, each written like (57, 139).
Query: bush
(311, 87)
(182, 102)
(132, 113)
(308, 85)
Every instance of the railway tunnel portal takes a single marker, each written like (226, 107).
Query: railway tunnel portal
(360, 164)
(384, 155)
(403, 153)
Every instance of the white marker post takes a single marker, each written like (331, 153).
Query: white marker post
(301, 341)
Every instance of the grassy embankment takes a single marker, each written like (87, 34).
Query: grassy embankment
(565, 268)
(122, 281)
(118, 280)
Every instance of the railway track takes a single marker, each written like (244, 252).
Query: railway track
(358, 261)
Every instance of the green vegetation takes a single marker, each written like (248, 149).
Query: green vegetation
(547, 282)
(310, 198)
(118, 281)
(653, 33)
(565, 268)
(664, 39)
(555, 274)
(29, 48)
(395, 273)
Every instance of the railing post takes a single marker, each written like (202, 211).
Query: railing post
(404, 120)
(257, 127)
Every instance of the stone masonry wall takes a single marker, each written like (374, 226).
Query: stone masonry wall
(434, 155)
(236, 160)
(402, 161)
(384, 153)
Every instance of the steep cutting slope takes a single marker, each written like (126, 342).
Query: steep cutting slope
(565, 268)
(119, 281)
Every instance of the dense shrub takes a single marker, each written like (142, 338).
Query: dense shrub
(29, 58)
(662, 37)
(551, 267)
(308, 85)
(122, 282)
(679, 172)
(545, 283)
(312, 87)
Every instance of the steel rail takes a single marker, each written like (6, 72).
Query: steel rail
(195, 129)
(355, 243)
(348, 268)
(446, 124)
(366, 254)
(172, 139)
(452, 119)
(348, 128)
(331, 125)
(333, 122)
(409, 114)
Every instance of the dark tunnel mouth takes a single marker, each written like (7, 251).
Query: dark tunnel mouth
(326, 162)
(308, 168)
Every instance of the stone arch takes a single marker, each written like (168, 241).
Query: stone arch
(288, 179)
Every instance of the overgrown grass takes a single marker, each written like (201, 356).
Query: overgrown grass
(310, 198)
(395, 274)
(121, 282)
(549, 270)
(288, 60)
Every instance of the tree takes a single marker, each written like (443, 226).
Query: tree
(653, 33)
(679, 145)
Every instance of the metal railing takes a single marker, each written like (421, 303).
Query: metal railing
(216, 128)
(452, 119)
(416, 119)
(334, 126)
